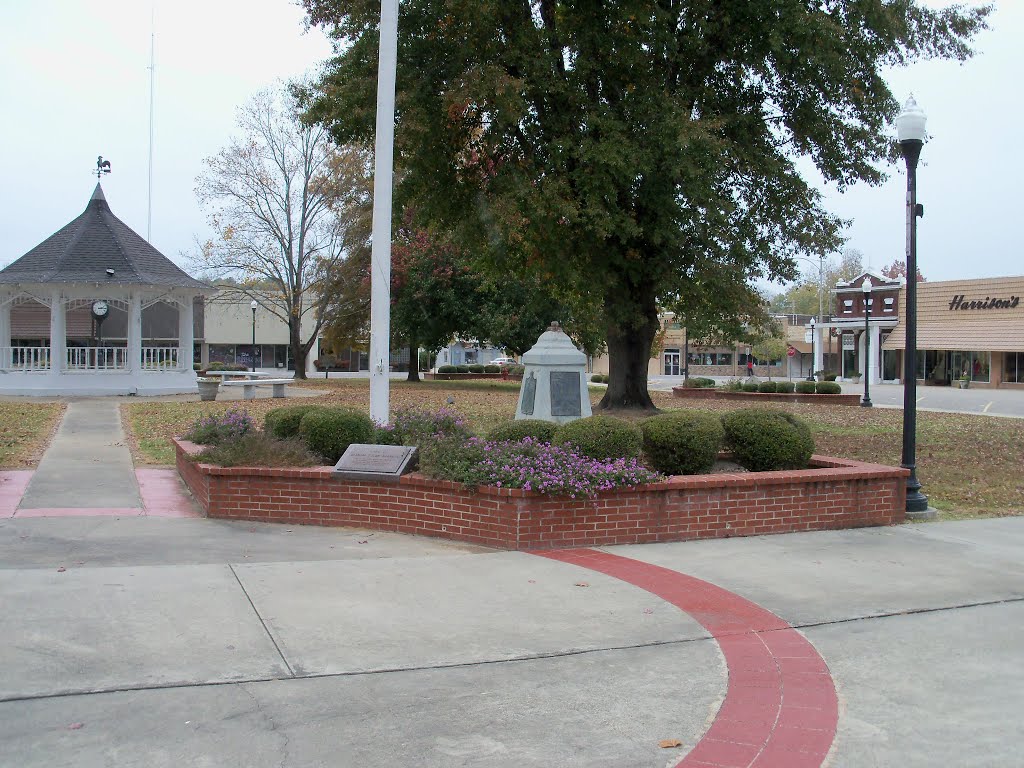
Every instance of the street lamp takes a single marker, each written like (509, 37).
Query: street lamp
(911, 135)
(866, 287)
(810, 375)
(252, 306)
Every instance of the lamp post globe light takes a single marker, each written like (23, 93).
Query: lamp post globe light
(866, 287)
(910, 133)
(252, 306)
(810, 374)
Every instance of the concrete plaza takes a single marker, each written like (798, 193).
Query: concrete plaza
(156, 642)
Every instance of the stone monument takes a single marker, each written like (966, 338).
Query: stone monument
(554, 383)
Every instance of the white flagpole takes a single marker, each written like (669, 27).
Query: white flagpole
(380, 256)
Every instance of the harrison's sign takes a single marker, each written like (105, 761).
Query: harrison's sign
(958, 302)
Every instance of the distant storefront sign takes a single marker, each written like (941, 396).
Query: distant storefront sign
(960, 302)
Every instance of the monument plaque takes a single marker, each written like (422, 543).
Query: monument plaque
(565, 393)
(529, 394)
(386, 463)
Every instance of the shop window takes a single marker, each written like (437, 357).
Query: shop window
(222, 353)
(1013, 367)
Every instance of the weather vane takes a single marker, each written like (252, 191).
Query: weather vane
(102, 167)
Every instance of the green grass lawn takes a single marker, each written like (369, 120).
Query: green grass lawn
(25, 430)
(969, 465)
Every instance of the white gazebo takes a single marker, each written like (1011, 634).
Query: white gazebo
(96, 310)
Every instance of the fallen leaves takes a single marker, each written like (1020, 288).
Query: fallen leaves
(670, 743)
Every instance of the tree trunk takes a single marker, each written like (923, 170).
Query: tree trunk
(414, 359)
(629, 353)
(298, 351)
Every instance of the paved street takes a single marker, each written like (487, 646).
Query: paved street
(168, 642)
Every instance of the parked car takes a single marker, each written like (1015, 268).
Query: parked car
(504, 361)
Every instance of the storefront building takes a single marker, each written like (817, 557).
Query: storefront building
(971, 329)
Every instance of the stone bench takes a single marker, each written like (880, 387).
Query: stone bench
(249, 386)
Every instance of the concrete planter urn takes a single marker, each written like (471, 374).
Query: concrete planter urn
(964, 383)
(208, 388)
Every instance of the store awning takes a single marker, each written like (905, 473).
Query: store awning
(963, 335)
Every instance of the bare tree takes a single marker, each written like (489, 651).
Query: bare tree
(278, 196)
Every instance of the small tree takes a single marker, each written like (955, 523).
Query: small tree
(279, 195)
(898, 269)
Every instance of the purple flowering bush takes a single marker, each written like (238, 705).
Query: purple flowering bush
(531, 465)
(216, 429)
(414, 426)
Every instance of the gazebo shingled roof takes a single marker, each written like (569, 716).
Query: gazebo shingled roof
(84, 249)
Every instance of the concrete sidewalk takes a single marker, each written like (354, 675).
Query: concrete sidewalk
(147, 642)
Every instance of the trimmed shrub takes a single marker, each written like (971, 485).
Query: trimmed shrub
(763, 440)
(828, 388)
(516, 370)
(598, 378)
(770, 387)
(514, 431)
(221, 428)
(831, 376)
(682, 443)
(700, 382)
(805, 387)
(328, 432)
(257, 449)
(283, 423)
(750, 386)
(601, 437)
(476, 368)
(784, 386)
(462, 369)
(733, 385)
(492, 369)
(447, 369)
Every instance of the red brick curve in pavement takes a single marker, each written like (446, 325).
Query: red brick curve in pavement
(780, 708)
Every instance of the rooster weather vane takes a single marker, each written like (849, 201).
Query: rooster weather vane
(102, 167)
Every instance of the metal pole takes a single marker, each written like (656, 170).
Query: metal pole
(380, 255)
(866, 402)
(254, 339)
(810, 373)
(917, 502)
(686, 355)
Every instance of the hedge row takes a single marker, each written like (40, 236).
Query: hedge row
(674, 443)
(680, 442)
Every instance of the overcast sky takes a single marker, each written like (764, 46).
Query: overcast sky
(75, 84)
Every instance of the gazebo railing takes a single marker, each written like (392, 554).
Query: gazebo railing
(159, 358)
(88, 359)
(97, 358)
(25, 358)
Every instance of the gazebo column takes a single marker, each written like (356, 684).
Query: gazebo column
(58, 332)
(185, 337)
(134, 362)
(5, 330)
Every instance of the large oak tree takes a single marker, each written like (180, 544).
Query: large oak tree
(636, 151)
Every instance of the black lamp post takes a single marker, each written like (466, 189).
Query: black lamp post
(810, 375)
(866, 287)
(911, 135)
(252, 306)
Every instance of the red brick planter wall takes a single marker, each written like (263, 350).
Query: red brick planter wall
(707, 393)
(837, 493)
